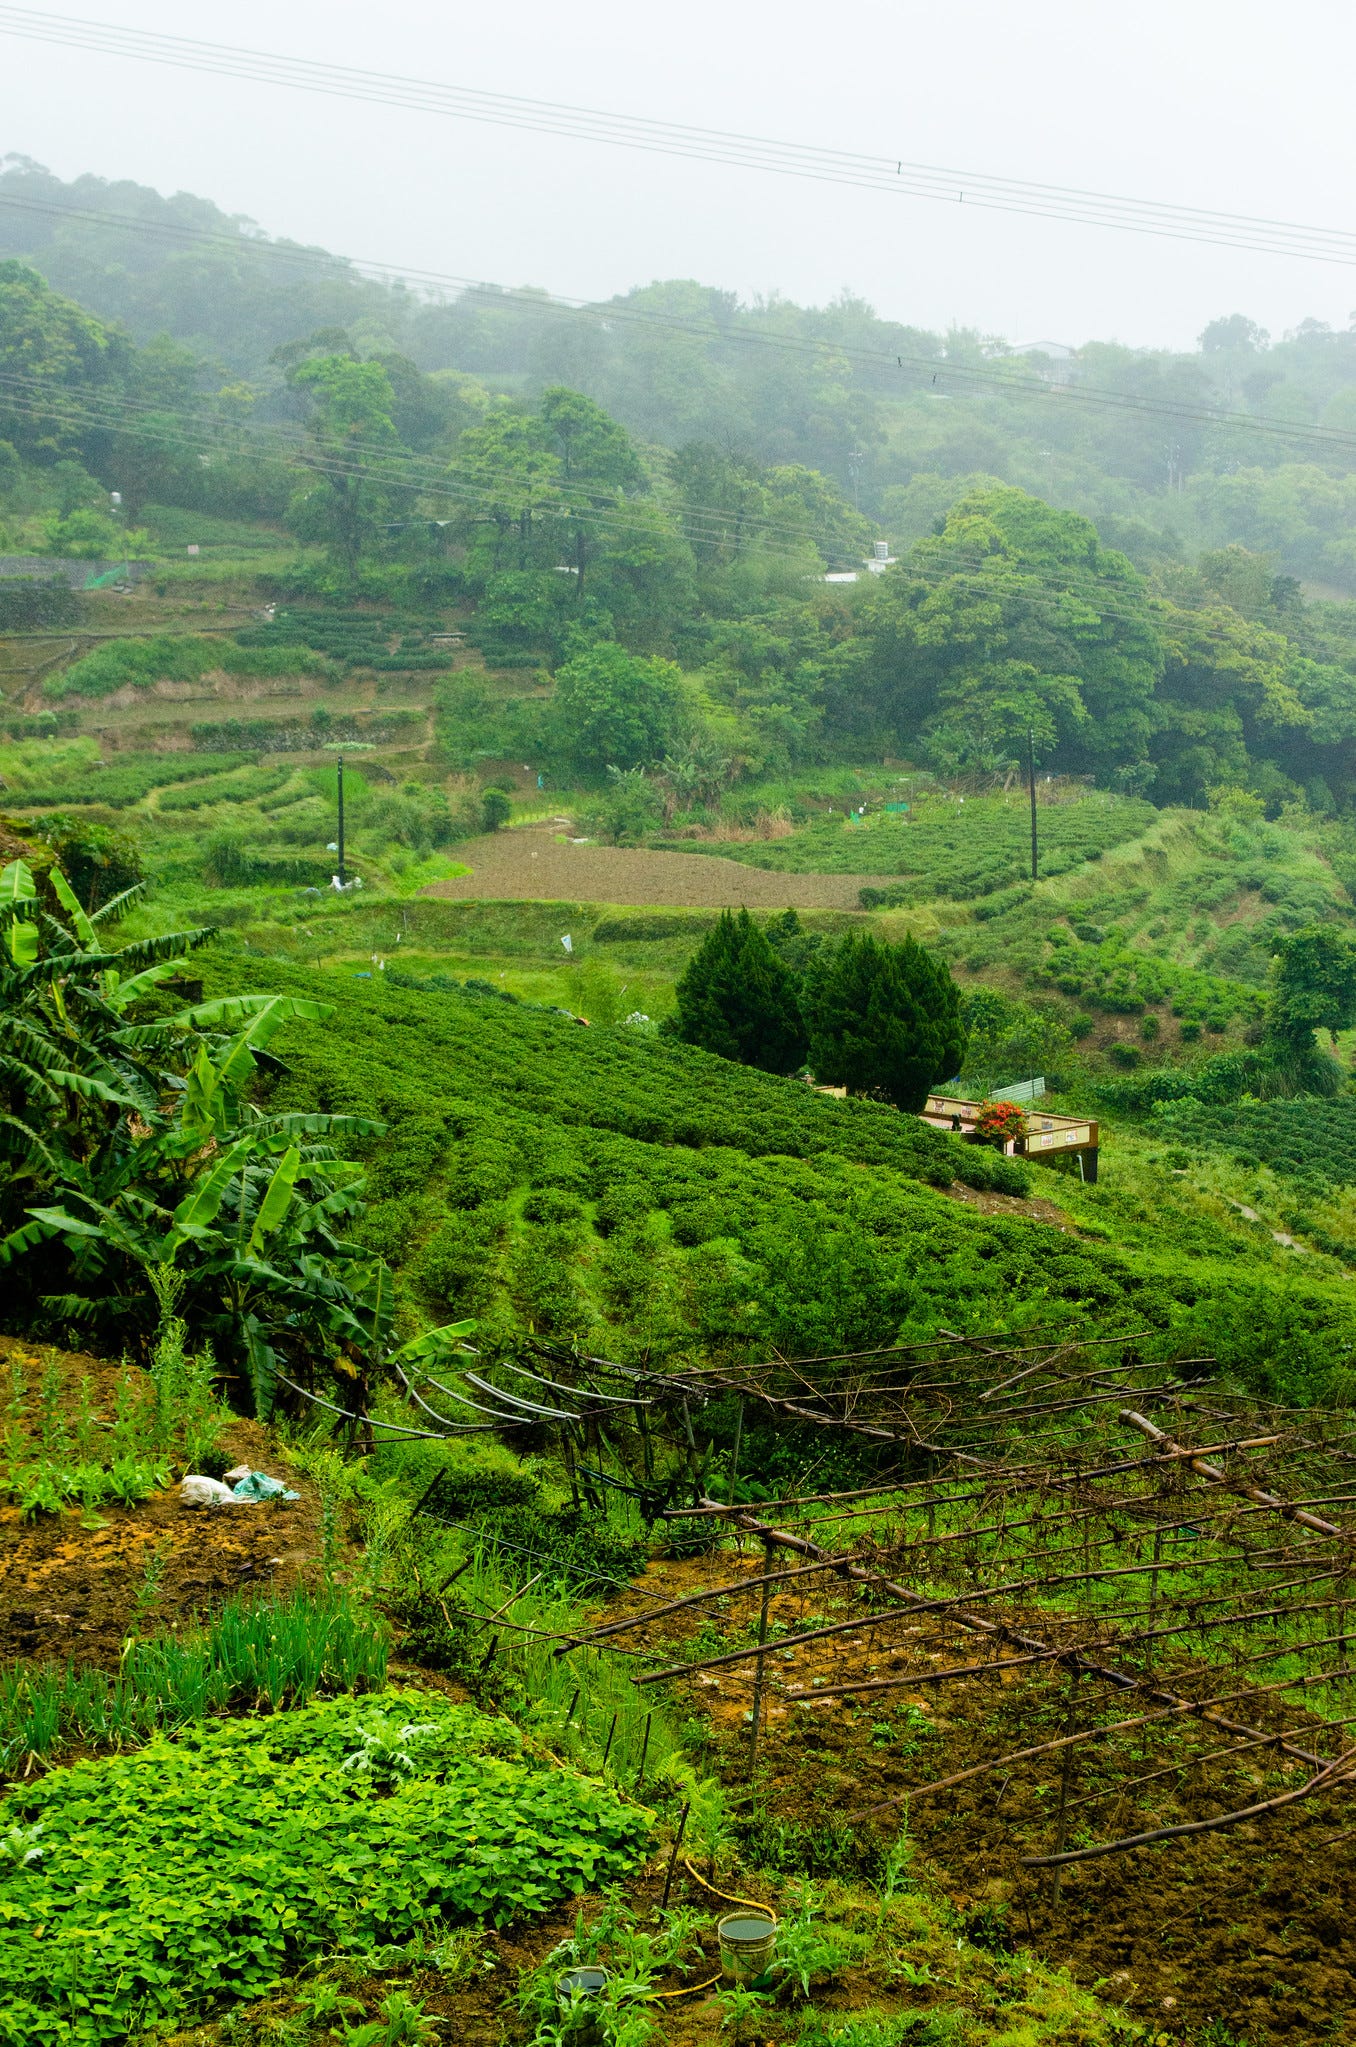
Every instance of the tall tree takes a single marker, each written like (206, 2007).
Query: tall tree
(883, 1020)
(1313, 986)
(598, 465)
(352, 451)
(618, 710)
(739, 999)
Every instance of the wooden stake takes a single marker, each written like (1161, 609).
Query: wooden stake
(1065, 1777)
(567, 1452)
(644, 1751)
(673, 1857)
(607, 1749)
(758, 1667)
(734, 1454)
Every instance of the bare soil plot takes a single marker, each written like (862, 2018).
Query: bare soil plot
(1251, 1927)
(70, 1592)
(536, 866)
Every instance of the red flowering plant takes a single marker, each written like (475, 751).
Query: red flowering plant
(998, 1123)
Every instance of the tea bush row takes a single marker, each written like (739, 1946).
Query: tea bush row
(353, 639)
(1306, 1136)
(124, 782)
(323, 727)
(209, 1865)
(1106, 972)
(950, 849)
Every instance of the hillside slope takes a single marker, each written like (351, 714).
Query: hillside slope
(637, 1195)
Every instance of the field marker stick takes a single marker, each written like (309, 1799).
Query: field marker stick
(758, 1668)
(673, 1857)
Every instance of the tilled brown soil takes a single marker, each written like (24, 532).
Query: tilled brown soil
(531, 865)
(1254, 1927)
(69, 1592)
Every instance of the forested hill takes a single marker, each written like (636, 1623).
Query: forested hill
(896, 415)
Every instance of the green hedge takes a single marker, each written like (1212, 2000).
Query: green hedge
(174, 657)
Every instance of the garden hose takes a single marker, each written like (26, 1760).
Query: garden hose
(687, 1990)
(752, 1903)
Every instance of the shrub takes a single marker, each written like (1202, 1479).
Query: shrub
(496, 808)
(998, 1122)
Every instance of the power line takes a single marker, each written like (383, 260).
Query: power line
(968, 376)
(766, 154)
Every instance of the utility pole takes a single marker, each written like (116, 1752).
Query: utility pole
(1031, 783)
(341, 838)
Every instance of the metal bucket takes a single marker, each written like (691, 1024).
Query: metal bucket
(748, 1945)
(576, 1991)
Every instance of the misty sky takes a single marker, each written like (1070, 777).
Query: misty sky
(1241, 107)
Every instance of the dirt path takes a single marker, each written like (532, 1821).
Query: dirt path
(536, 866)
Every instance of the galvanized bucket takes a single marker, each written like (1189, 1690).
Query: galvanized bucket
(748, 1945)
(576, 1992)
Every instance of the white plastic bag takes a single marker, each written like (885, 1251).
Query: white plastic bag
(197, 1491)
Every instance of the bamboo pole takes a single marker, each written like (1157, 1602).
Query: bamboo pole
(654, 1613)
(1065, 1779)
(1339, 1771)
(758, 1669)
(1299, 1515)
(1204, 1710)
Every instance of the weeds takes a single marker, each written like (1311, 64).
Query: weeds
(401, 2021)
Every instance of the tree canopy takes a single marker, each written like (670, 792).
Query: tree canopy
(883, 1019)
(738, 998)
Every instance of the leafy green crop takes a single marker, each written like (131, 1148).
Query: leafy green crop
(210, 1865)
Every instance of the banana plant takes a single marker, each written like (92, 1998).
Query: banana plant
(128, 1144)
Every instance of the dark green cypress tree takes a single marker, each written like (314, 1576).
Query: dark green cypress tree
(883, 1020)
(737, 998)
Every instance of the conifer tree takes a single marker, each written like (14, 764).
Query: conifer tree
(883, 1020)
(737, 998)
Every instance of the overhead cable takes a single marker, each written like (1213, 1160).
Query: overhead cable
(766, 154)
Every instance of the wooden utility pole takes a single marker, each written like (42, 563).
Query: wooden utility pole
(1031, 785)
(341, 836)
